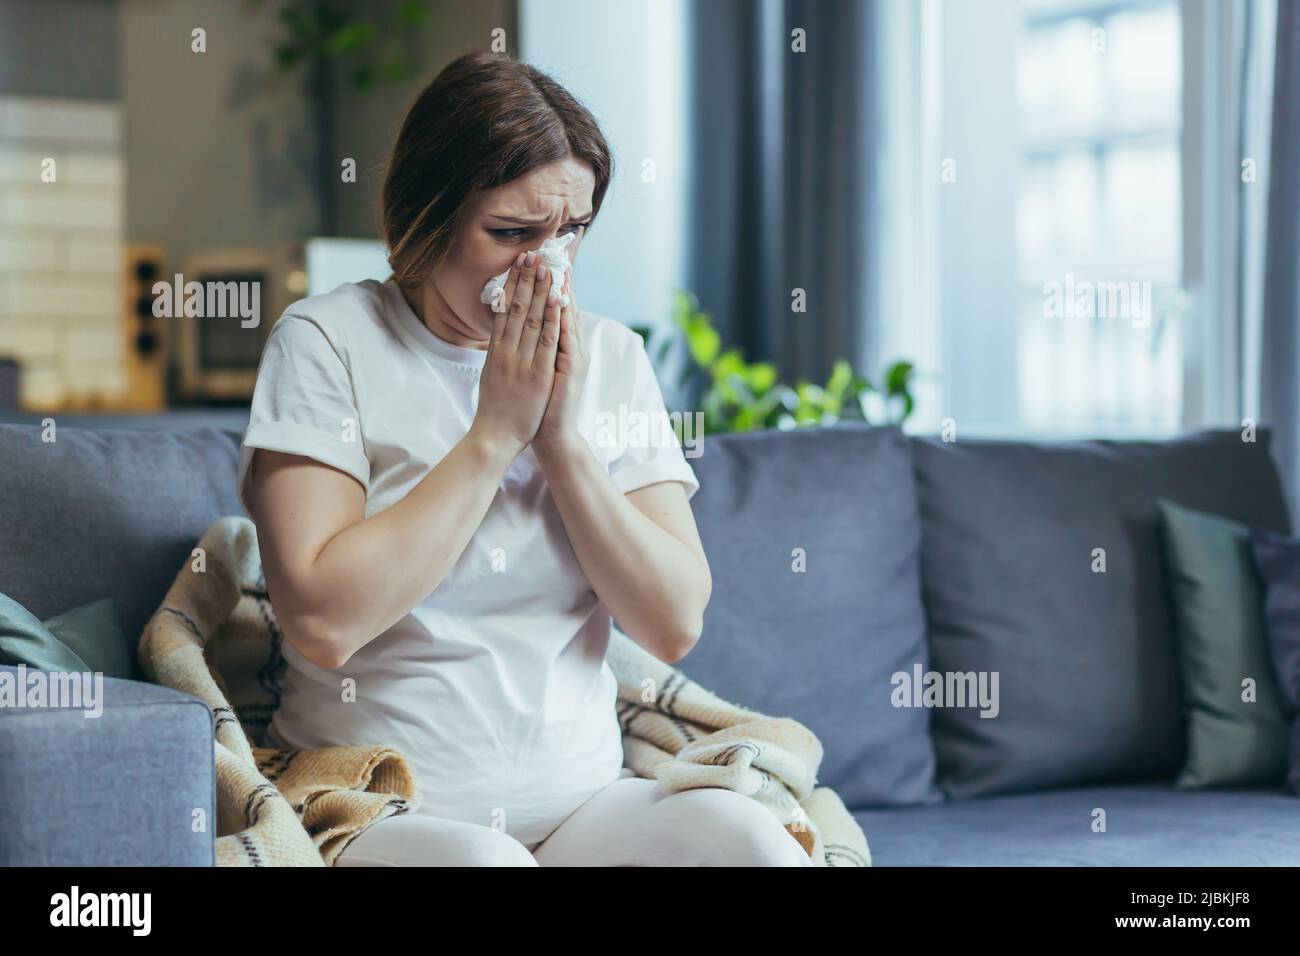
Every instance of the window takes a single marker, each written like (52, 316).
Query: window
(1062, 267)
(1098, 218)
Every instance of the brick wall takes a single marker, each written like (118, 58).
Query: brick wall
(61, 249)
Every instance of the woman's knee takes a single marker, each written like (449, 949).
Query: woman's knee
(719, 827)
(484, 846)
(417, 840)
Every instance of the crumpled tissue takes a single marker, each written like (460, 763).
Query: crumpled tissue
(554, 253)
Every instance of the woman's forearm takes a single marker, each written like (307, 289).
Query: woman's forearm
(654, 585)
(371, 574)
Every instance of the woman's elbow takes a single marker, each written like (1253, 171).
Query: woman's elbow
(677, 650)
(685, 635)
(691, 626)
(317, 642)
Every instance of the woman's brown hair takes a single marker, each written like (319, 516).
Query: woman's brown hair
(485, 120)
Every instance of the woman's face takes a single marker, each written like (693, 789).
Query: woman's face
(547, 203)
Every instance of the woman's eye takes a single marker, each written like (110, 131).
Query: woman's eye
(516, 234)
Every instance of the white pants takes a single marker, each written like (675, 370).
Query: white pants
(626, 823)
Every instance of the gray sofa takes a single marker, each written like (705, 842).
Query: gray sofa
(847, 562)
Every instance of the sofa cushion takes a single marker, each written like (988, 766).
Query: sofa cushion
(1085, 659)
(112, 781)
(94, 633)
(818, 645)
(87, 638)
(25, 639)
(1234, 739)
(1277, 558)
(108, 513)
(1145, 825)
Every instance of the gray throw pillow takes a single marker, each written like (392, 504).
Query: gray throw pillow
(1278, 560)
(813, 539)
(1014, 536)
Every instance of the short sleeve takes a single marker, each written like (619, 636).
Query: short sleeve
(650, 449)
(303, 403)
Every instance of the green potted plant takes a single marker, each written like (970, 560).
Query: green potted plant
(738, 395)
(361, 43)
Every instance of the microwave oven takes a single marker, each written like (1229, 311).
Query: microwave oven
(225, 301)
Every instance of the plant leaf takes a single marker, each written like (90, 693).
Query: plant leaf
(703, 340)
(841, 378)
(363, 77)
(761, 377)
(394, 70)
(412, 12)
(348, 38)
(897, 378)
(286, 56)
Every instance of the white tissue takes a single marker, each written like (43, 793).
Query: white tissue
(553, 253)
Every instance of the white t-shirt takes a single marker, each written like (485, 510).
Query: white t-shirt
(494, 687)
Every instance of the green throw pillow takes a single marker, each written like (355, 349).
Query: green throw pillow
(87, 638)
(94, 633)
(1233, 739)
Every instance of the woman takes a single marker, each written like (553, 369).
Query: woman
(444, 530)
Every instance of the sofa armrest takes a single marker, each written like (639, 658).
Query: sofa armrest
(123, 777)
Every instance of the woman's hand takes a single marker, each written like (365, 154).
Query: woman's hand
(520, 368)
(558, 430)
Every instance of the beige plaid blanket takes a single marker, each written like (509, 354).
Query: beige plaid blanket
(215, 637)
